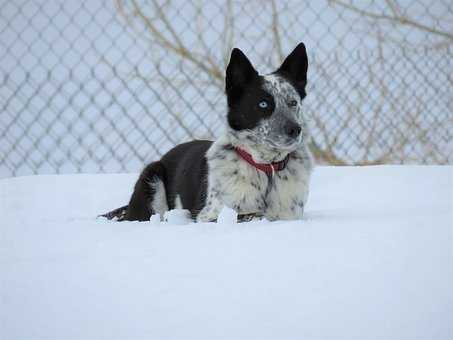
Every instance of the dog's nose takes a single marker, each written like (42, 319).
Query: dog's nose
(292, 129)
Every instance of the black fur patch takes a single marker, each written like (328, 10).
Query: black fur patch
(183, 171)
(244, 93)
(294, 69)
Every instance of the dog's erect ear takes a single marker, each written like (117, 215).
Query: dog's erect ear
(239, 71)
(295, 66)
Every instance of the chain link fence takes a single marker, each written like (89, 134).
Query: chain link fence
(106, 86)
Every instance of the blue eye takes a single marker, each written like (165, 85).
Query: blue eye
(263, 104)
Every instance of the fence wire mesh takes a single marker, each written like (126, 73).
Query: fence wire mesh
(109, 85)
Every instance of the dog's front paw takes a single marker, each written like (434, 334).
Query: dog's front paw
(208, 215)
(249, 217)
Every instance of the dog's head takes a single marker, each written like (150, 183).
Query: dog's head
(267, 110)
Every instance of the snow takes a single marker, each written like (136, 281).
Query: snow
(155, 219)
(177, 217)
(227, 216)
(373, 258)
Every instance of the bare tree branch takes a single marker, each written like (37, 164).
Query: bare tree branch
(275, 31)
(396, 18)
(228, 32)
(362, 115)
(177, 48)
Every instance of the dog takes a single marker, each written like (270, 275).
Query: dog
(260, 166)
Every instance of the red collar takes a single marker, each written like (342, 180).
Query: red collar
(267, 168)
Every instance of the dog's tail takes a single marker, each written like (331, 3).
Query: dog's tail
(118, 214)
(149, 197)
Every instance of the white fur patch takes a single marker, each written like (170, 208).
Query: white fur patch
(235, 183)
(178, 203)
(159, 203)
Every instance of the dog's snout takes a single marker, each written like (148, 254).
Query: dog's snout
(292, 129)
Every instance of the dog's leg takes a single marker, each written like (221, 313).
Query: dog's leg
(149, 195)
(211, 210)
(295, 212)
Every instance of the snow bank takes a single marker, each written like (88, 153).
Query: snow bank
(372, 259)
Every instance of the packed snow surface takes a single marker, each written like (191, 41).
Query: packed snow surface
(373, 258)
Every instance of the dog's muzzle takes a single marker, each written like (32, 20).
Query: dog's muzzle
(292, 129)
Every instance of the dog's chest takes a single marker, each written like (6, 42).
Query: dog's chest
(239, 185)
(288, 192)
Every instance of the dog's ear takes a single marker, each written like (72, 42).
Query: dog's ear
(240, 70)
(295, 67)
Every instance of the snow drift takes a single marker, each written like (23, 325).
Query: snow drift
(372, 259)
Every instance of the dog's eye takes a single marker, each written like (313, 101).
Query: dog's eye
(263, 104)
(292, 103)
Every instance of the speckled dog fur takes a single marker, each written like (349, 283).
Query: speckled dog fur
(236, 184)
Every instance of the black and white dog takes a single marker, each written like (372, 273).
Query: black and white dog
(261, 166)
